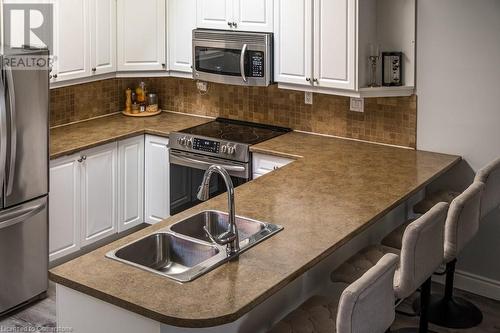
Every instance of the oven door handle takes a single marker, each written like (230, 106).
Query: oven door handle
(208, 164)
(242, 62)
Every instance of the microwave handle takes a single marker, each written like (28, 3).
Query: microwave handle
(242, 62)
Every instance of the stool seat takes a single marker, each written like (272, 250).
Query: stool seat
(318, 314)
(433, 199)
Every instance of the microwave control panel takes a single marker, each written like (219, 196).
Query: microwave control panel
(256, 64)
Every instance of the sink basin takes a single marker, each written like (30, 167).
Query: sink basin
(250, 231)
(184, 252)
(179, 258)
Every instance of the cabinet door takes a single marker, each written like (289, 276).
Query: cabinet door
(293, 41)
(181, 22)
(214, 14)
(254, 15)
(141, 35)
(103, 36)
(71, 40)
(157, 178)
(64, 211)
(130, 183)
(99, 193)
(335, 43)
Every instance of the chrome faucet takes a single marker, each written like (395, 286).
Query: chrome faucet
(230, 237)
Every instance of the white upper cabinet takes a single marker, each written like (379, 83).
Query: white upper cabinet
(293, 41)
(103, 36)
(240, 15)
(141, 35)
(335, 44)
(214, 14)
(253, 15)
(71, 40)
(181, 22)
(324, 45)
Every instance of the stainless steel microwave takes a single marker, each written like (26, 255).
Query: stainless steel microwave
(239, 58)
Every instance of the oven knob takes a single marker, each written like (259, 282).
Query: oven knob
(224, 149)
(189, 142)
(231, 150)
(183, 141)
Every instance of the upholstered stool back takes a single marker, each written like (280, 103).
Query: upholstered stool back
(422, 250)
(462, 222)
(367, 305)
(490, 176)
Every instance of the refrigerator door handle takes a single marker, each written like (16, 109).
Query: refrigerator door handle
(20, 214)
(13, 130)
(3, 132)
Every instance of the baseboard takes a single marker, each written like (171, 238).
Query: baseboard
(475, 284)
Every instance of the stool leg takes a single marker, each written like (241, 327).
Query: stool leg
(453, 312)
(424, 311)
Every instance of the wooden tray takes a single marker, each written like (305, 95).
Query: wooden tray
(142, 114)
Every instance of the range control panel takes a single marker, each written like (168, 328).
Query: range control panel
(206, 145)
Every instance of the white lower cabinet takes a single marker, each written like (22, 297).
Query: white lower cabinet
(263, 164)
(99, 193)
(64, 212)
(130, 183)
(157, 179)
(94, 194)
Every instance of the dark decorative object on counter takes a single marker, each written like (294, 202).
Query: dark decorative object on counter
(392, 69)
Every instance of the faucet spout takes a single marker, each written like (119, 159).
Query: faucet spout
(230, 237)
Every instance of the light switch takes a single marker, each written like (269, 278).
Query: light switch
(357, 104)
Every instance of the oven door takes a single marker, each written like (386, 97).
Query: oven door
(234, 63)
(186, 174)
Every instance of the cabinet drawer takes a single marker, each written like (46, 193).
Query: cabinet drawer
(263, 164)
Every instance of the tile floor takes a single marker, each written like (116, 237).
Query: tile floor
(41, 317)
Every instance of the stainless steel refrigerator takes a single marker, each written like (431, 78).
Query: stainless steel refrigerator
(24, 105)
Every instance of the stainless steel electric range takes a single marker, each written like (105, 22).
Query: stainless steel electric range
(224, 142)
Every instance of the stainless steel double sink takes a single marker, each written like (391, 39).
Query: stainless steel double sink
(184, 251)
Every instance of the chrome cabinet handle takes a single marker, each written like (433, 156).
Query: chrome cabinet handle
(53, 76)
(230, 24)
(242, 62)
(82, 158)
(308, 79)
(316, 81)
(235, 25)
(94, 69)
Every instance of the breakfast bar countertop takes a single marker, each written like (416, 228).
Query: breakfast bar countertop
(334, 190)
(69, 139)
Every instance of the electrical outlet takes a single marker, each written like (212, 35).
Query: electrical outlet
(202, 86)
(357, 104)
(308, 99)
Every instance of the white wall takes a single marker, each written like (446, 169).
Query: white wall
(458, 79)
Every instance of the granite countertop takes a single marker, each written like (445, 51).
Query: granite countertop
(69, 139)
(333, 191)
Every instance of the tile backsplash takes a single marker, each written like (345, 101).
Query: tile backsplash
(385, 120)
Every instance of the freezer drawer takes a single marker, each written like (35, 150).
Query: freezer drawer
(23, 253)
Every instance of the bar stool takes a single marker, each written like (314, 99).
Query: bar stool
(490, 177)
(365, 306)
(462, 224)
(421, 253)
